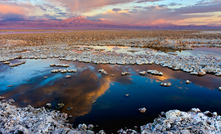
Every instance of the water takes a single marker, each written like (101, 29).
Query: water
(197, 51)
(210, 32)
(202, 52)
(112, 109)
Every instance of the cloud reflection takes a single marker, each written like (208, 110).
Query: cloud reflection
(87, 85)
(79, 92)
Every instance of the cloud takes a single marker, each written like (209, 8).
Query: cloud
(133, 11)
(199, 9)
(24, 11)
(207, 2)
(86, 5)
(49, 17)
(174, 4)
(163, 5)
(49, 8)
(41, 7)
(14, 8)
(137, 7)
(171, 4)
(150, 15)
(13, 17)
(141, 14)
(57, 9)
(62, 13)
(141, 1)
(8, 0)
(15, 12)
(116, 9)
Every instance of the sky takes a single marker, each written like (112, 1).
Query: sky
(138, 12)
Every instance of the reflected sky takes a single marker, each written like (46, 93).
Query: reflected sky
(211, 32)
(202, 52)
(112, 109)
(197, 51)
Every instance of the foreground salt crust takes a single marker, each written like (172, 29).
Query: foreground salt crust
(179, 122)
(40, 120)
(36, 120)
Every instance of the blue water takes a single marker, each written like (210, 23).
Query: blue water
(112, 109)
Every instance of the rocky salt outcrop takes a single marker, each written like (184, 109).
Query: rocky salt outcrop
(191, 64)
(40, 120)
(179, 122)
(36, 120)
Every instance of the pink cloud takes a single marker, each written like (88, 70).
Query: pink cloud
(151, 15)
(6, 9)
(14, 8)
(143, 17)
(87, 5)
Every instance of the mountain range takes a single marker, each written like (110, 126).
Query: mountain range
(83, 23)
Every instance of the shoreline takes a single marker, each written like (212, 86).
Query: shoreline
(36, 120)
(40, 120)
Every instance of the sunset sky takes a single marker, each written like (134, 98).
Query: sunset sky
(141, 12)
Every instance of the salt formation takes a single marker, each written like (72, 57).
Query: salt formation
(166, 84)
(154, 72)
(191, 64)
(52, 65)
(142, 72)
(55, 71)
(68, 76)
(68, 47)
(112, 75)
(35, 120)
(6, 62)
(102, 71)
(41, 120)
(16, 64)
(64, 70)
(142, 110)
(176, 121)
(59, 65)
(125, 73)
(48, 105)
(72, 70)
(187, 82)
(218, 73)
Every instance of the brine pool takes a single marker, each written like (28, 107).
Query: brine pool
(101, 99)
(197, 51)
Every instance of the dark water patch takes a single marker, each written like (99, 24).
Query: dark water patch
(101, 99)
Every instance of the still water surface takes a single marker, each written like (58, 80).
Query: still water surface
(197, 51)
(112, 109)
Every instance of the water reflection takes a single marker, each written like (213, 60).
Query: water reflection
(208, 81)
(111, 106)
(197, 51)
(79, 91)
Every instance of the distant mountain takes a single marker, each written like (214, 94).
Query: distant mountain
(81, 22)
